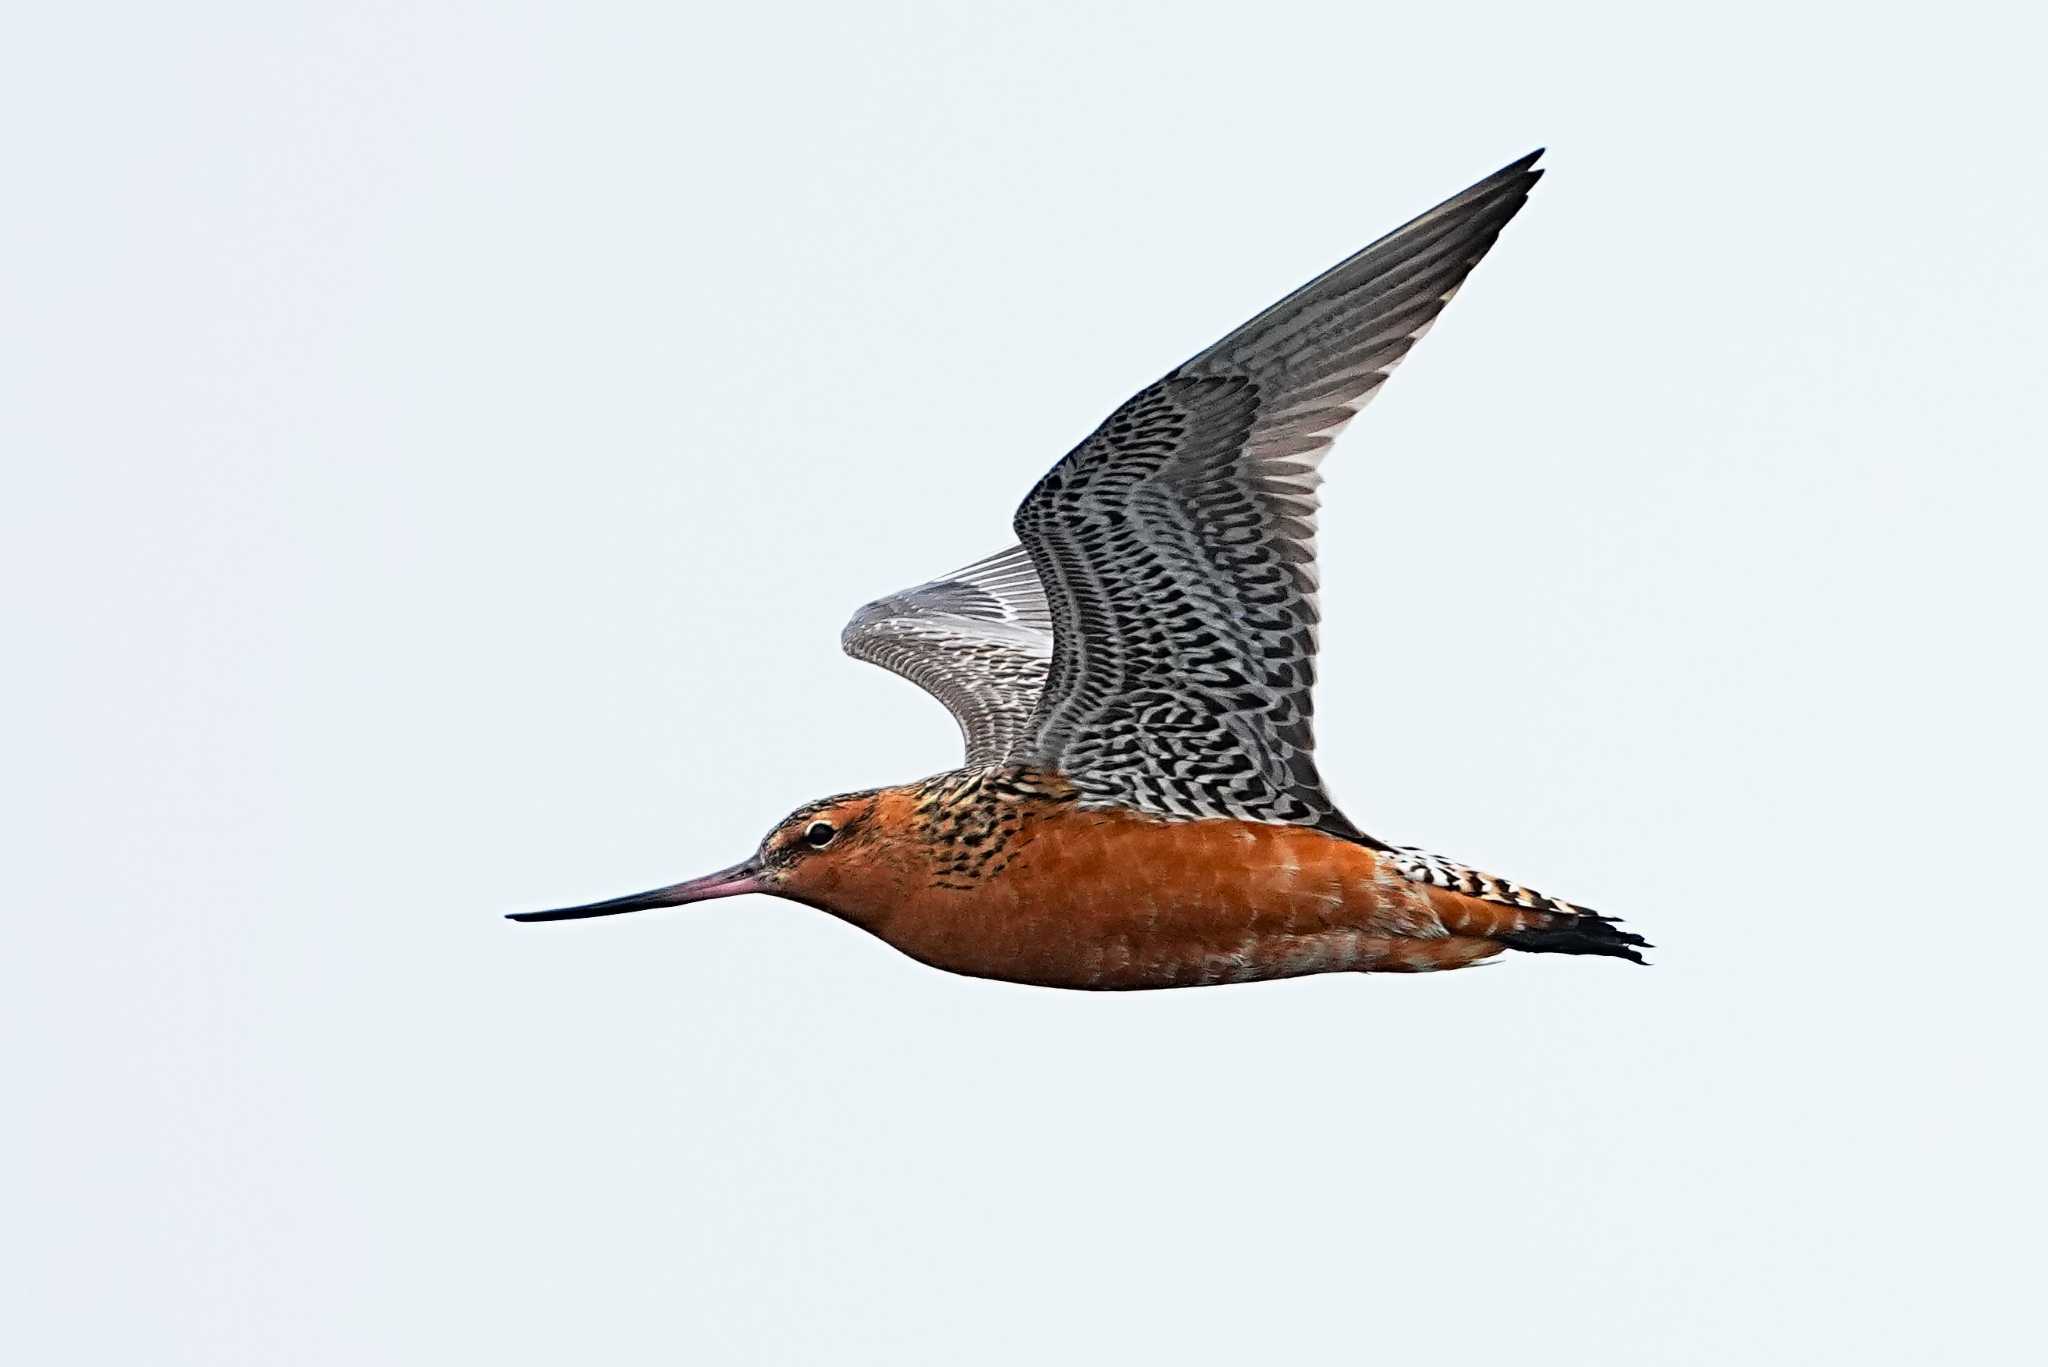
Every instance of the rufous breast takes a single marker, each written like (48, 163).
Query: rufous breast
(1021, 883)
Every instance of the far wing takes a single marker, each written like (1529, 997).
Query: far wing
(979, 640)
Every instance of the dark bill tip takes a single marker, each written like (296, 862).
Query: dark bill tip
(741, 878)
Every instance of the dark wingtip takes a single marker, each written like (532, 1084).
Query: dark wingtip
(1522, 168)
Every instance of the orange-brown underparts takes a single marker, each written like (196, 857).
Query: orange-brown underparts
(1004, 875)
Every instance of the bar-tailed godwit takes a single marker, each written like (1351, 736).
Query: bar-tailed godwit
(1139, 805)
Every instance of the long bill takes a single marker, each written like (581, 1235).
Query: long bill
(742, 877)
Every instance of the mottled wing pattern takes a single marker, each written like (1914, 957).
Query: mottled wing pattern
(979, 640)
(1177, 543)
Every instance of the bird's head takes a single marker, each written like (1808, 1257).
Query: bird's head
(821, 854)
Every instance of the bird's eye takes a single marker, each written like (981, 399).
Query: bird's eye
(819, 834)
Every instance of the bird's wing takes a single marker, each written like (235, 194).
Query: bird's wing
(1177, 543)
(979, 640)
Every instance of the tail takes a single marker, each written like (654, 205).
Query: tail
(1478, 904)
(1577, 932)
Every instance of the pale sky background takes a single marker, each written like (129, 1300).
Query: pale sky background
(443, 443)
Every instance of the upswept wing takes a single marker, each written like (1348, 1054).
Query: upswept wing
(979, 640)
(1177, 543)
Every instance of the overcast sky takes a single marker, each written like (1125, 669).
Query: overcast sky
(443, 445)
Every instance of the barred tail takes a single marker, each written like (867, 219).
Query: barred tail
(1478, 904)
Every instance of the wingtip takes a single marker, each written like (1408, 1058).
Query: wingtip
(1511, 183)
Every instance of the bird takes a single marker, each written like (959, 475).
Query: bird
(1139, 804)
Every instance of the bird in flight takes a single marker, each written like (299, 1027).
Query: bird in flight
(1139, 805)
